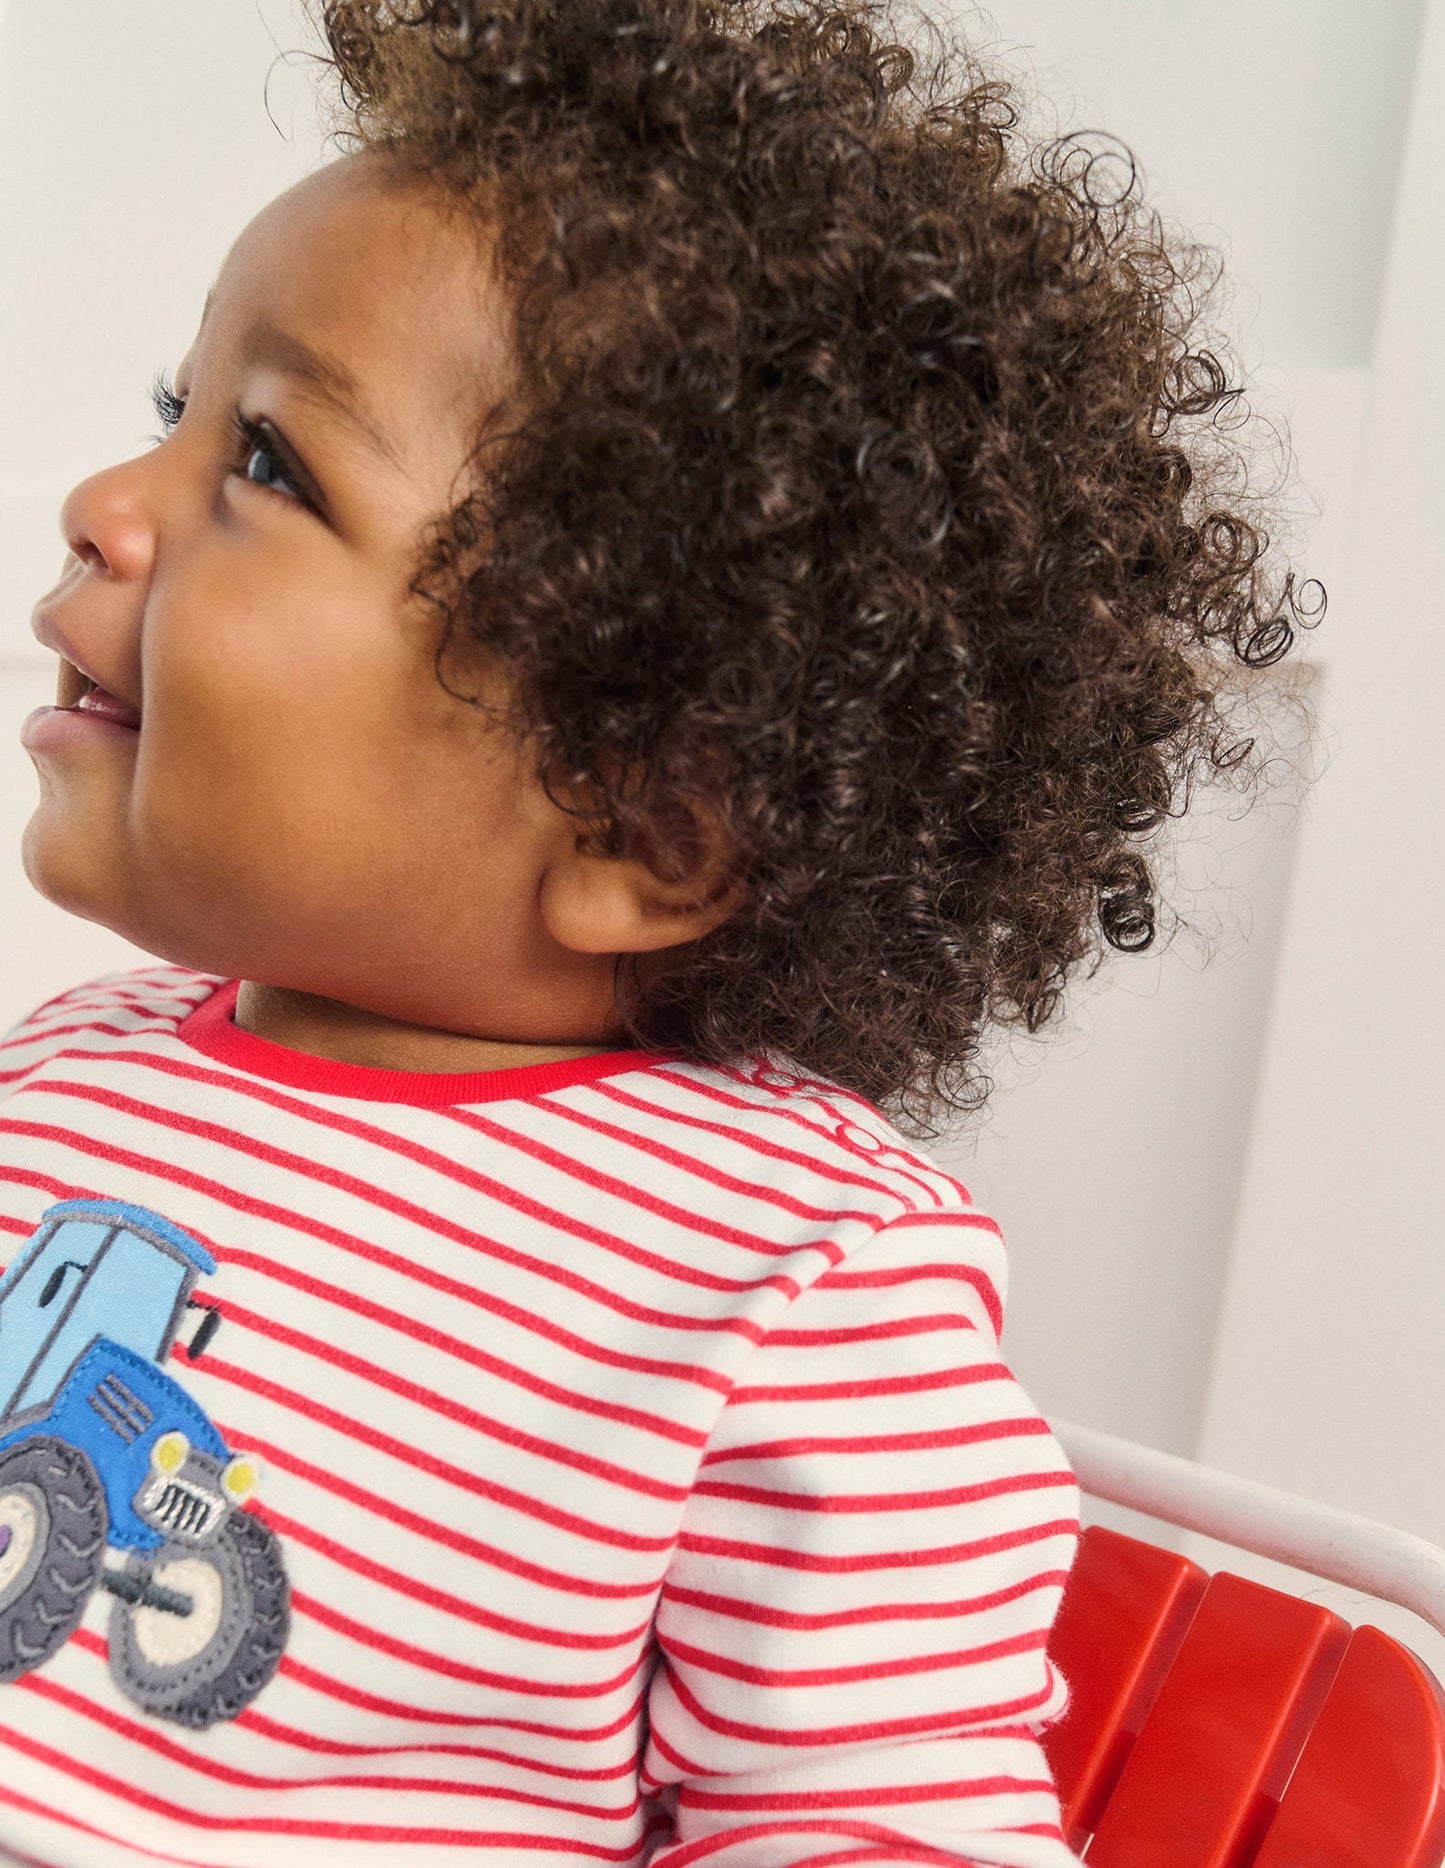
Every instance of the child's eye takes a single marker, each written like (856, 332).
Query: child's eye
(259, 456)
(262, 461)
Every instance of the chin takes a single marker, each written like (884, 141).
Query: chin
(64, 878)
(92, 889)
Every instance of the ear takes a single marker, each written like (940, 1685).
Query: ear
(591, 902)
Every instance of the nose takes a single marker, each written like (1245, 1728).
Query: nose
(106, 523)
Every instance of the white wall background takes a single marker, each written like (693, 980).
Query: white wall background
(135, 142)
(1217, 1179)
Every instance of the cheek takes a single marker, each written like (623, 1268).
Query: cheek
(239, 796)
(281, 798)
(301, 766)
(276, 693)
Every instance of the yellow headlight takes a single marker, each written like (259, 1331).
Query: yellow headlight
(240, 1477)
(169, 1452)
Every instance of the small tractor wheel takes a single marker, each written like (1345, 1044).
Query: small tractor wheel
(208, 1660)
(53, 1524)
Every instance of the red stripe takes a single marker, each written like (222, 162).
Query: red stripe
(917, 1856)
(88, 1026)
(152, 998)
(765, 1615)
(633, 1195)
(867, 1113)
(434, 1532)
(467, 1481)
(876, 1560)
(206, 1766)
(481, 1299)
(1050, 1831)
(43, 1183)
(371, 1637)
(973, 1276)
(895, 1848)
(100, 995)
(883, 1385)
(260, 1090)
(854, 1858)
(253, 1149)
(413, 1270)
(351, 1303)
(279, 1733)
(385, 1142)
(702, 1169)
(440, 1600)
(314, 1680)
(825, 1131)
(1015, 1427)
(17, 1801)
(895, 1328)
(469, 1610)
(861, 1796)
(747, 1140)
(453, 1410)
(845, 1278)
(290, 1826)
(884, 1731)
(330, 1688)
(987, 1290)
(1002, 1487)
(143, 982)
(682, 1766)
(786, 1679)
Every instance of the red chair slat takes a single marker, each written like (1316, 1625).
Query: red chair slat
(1125, 1609)
(1367, 1791)
(1200, 1785)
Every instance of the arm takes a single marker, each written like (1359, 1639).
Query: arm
(851, 1637)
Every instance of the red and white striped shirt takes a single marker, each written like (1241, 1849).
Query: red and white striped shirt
(633, 1434)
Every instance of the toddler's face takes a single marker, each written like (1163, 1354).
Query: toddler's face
(301, 802)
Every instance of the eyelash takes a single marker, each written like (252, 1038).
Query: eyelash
(249, 438)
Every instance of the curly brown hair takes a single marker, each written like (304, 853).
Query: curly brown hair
(868, 502)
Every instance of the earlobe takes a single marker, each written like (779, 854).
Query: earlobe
(591, 902)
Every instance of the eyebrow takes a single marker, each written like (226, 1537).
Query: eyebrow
(326, 377)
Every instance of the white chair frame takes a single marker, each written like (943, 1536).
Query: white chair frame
(1337, 1545)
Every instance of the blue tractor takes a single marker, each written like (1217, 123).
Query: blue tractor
(112, 1477)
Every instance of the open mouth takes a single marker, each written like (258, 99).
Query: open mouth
(77, 693)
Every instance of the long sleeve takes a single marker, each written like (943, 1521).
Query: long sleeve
(852, 1632)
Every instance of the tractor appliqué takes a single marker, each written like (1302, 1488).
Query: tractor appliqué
(112, 1477)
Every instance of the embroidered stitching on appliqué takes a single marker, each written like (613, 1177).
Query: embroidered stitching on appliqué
(104, 1456)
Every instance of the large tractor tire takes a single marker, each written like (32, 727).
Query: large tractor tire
(53, 1523)
(208, 1626)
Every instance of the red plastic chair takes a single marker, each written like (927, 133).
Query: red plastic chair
(1214, 1723)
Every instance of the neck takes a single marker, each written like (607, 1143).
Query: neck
(349, 1034)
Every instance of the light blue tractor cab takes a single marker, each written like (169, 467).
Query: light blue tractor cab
(104, 1455)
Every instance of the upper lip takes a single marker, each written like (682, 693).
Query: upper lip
(47, 631)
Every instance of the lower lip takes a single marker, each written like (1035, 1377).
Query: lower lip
(51, 727)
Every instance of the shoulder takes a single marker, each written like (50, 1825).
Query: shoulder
(116, 1005)
(886, 1214)
(798, 1125)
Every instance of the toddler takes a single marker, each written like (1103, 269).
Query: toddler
(679, 573)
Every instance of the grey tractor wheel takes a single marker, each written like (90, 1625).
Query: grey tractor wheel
(53, 1523)
(208, 1659)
